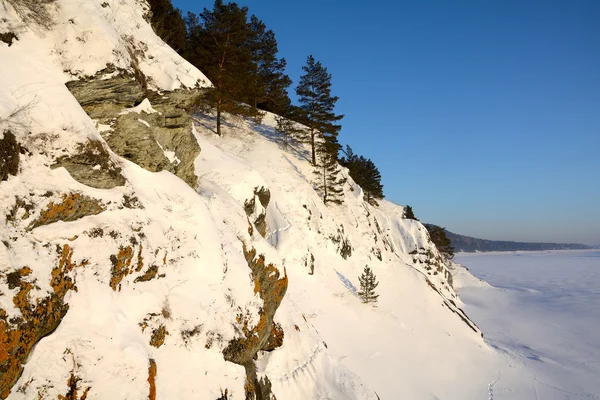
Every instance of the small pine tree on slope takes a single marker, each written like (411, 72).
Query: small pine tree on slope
(368, 283)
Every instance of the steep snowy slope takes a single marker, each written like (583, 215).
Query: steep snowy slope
(415, 344)
(144, 257)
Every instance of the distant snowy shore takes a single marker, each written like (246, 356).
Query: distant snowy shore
(462, 254)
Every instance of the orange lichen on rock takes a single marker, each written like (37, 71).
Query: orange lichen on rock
(60, 282)
(13, 279)
(72, 207)
(152, 379)
(150, 274)
(158, 336)
(121, 264)
(38, 319)
(140, 260)
(72, 393)
(249, 388)
(266, 275)
(276, 338)
(271, 287)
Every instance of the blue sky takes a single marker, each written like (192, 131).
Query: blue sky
(484, 116)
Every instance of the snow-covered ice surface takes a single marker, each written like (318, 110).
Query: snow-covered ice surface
(542, 311)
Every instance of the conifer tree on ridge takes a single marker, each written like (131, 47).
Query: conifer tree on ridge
(317, 113)
(217, 44)
(409, 214)
(365, 174)
(270, 83)
(316, 103)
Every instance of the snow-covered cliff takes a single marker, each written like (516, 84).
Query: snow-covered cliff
(144, 257)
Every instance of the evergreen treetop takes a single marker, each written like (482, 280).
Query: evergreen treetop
(239, 56)
(270, 83)
(317, 103)
(218, 41)
(168, 24)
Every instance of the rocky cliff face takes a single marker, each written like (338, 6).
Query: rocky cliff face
(157, 137)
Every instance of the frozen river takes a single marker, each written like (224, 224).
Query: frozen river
(543, 313)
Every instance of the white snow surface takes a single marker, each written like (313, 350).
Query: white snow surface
(144, 107)
(412, 345)
(542, 313)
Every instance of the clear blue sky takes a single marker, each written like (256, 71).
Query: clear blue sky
(484, 116)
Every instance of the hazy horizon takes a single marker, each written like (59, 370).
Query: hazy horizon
(508, 239)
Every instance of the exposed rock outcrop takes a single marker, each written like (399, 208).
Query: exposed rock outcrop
(72, 207)
(73, 392)
(157, 140)
(38, 319)
(158, 336)
(92, 166)
(342, 242)
(265, 335)
(152, 380)
(257, 213)
(9, 155)
(103, 98)
(121, 264)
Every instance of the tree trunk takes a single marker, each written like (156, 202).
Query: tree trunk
(312, 145)
(324, 184)
(218, 121)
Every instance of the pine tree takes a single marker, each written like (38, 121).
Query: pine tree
(364, 172)
(218, 44)
(317, 104)
(327, 170)
(288, 130)
(440, 239)
(270, 83)
(168, 24)
(409, 214)
(368, 283)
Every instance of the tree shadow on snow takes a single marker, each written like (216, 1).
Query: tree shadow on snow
(294, 146)
(209, 122)
(347, 283)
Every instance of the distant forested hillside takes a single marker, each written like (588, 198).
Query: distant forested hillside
(471, 244)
